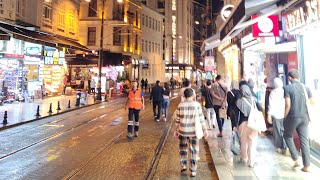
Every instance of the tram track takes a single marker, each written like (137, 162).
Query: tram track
(97, 117)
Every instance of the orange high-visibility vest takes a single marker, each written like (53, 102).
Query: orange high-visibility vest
(135, 99)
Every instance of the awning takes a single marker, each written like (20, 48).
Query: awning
(240, 19)
(109, 59)
(4, 35)
(41, 37)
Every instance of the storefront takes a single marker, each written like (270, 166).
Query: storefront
(54, 69)
(303, 22)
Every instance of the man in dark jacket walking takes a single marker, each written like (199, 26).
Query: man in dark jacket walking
(157, 97)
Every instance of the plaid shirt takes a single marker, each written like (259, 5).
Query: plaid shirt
(185, 118)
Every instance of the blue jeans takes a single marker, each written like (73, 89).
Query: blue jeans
(165, 107)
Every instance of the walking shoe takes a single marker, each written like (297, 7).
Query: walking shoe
(136, 134)
(155, 117)
(163, 115)
(193, 174)
(220, 134)
(129, 135)
(158, 120)
(183, 170)
(165, 119)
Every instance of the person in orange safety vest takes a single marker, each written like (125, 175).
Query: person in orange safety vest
(135, 103)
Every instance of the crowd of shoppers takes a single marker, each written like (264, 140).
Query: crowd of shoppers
(287, 112)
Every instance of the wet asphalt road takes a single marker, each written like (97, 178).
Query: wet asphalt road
(91, 143)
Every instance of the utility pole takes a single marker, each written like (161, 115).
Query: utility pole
(100, 54)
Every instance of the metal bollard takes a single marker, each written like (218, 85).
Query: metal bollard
(50, 109)
(5, 118)
(58, 108)
(38, 111)
(78, 98)
(69, 104)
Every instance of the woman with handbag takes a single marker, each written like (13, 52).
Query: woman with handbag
(219, 99)
(232, 110)
(248, 136)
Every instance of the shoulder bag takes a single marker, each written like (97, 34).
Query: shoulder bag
(255, 119)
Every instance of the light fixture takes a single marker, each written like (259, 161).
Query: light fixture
(88, 0)
(180, 37)
(119, 1)
(226, 11)
(196, 22)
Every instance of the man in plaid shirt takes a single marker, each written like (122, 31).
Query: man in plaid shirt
(187, 113)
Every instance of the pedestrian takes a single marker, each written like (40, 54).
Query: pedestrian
(135, 103)
(297, 118)
(190, 125)
(219, 94)
(172, 82)
(142, 83)
(146, 84)
(186, 84)
(276, 114)
(93, 86)
(248, 136)
(156, 98)
(210, 113)
(65, 81)
(232, 110)
(166, 100)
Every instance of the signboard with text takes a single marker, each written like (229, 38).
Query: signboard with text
(54, 57)
(209, 63)
(266, 27)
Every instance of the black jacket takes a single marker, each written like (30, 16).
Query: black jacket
(157, 93)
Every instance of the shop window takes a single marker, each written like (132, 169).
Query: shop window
(117, 36)
(91, 36)
(32, 72)
(92, 8)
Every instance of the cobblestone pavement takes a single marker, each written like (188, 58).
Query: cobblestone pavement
(269, 165)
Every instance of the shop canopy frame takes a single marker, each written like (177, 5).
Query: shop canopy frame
(239, 19)
(43, 38)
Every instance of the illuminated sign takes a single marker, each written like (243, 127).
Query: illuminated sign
(54, 57)
(266, 27)
(306, 14)
(15, 56)
(209, 63)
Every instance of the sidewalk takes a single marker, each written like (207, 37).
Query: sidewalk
(269, 164)
(21, 112)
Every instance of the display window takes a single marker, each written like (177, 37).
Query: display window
(10, 75)
(312, 77)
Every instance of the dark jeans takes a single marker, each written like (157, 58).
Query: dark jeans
(155, 104)
(219, 120)
(278, 133)
(133, 113)
(93, 90)
(301, 125)
(234, 115)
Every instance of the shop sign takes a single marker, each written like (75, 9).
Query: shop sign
(33, 51)
(5, 37)
(249, 40)
(305, 14)
(266, 27)
(209, 63)
(82, 65)
(144, 63)
(54, 57)
(236, 17)
(14, 56)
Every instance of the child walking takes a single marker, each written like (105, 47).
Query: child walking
(190, 127)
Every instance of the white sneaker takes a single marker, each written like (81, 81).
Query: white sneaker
(158, 120)
(165, 119)
(163, 115)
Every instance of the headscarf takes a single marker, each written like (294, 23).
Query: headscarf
(277, 82)
(243, 106)
(235, 85)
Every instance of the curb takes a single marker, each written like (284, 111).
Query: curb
(4, 127)
(221, 165)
